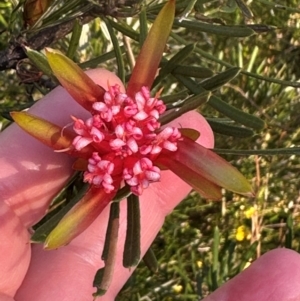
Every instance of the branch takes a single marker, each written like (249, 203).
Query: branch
(14, 52)
(43, 38)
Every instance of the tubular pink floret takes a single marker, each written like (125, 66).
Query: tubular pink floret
(141, 175)
(80, 142)
(99, 172)
(88, 132)
(125, 128)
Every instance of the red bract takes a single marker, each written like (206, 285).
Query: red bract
(122, 141)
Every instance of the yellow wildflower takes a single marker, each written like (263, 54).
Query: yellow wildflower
(199, 264)
(241, 233)
(249, 212)
(177, 288)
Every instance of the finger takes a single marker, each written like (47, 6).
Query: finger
(5, 298)
(273, 277)
(15, 251)
(79, 261)
(30, 175)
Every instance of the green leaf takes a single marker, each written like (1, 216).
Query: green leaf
(229, 7)
(40, 60)
(112, 228)
(97, 282)
(289, 236)
(263, 152)
(74, 42)
(215, 258)
(189, 104)
(227, 129)
(150, 260)
(143, 27)
(172, 63)
(191, 71)
(230, 31)
(236, 114)
(244, 9)
(95, 62)
(125, 29)
(104, 276)
(220, 79)
(132, 248)
(209, 84)
(117, 49)
(174, 98)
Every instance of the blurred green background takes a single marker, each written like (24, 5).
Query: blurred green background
(203, 243)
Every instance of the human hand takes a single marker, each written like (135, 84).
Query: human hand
(31, 174)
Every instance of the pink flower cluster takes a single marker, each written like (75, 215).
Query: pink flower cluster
(126, 135)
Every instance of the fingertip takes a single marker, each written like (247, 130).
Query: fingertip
(275, 276)
(281, 258)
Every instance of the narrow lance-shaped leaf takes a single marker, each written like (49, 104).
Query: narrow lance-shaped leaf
(43, 130)
(149, 58)
(204, 187)
(228, 129)
(79, 218)
(40, 60)
(49, 133)
(150, 260)
(104, 276)
(132, 247)
(180, 56)
(210, 166)
(43, 230)
(81, 87)
(75, 39)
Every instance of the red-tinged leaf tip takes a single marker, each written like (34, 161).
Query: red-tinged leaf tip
(211, 166)
(43, 130)
(81, 87)
(79, 218)
(152, 50)
(204, 187)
